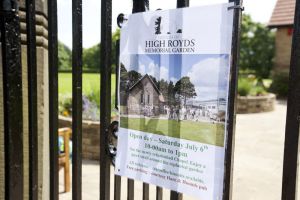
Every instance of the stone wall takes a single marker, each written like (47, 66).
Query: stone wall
(255, 104)
(90, 137)
(283, 45)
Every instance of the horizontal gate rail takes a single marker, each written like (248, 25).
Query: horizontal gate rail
(291, 145)
(53, 97)
(32, 99)
(77, 100)
(13, 104)
(229, 146)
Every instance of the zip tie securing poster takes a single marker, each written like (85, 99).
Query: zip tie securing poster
(173, 92)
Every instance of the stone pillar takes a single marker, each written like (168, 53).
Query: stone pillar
(42, 91)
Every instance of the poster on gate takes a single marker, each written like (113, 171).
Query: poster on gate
(173, 96)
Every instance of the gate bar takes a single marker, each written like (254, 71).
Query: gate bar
(229, 146)
(13, 104)
(289, 177)
(180, 4)
(32, 99)
(53, 97)
(77, 100)
(105, 97)
(138, 6)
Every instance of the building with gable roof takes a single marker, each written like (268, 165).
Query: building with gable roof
(144, 98)
(283, 20)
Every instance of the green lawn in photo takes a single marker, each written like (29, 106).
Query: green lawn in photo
(203, 132)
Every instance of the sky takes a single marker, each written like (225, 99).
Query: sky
(260, 11)
(194, 66)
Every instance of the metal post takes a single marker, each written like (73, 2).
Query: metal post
(229, 146)
(140, 6)
(183, 3)
(32, 99)
(77, 100)
(53, 97)
(105, 97)
(13, 105)
(180, 4)
(289, 177)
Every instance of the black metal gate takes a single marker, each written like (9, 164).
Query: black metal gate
(12, 87)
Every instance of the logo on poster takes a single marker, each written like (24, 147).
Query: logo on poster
(158, 27)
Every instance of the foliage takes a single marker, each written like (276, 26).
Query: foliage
(91, 56)
(244, 87)
(182, 91)
(250, 86)
(65, 104)
(257, 48)
(280, 83)
(90, 110)
(91, 92)
(185, 89)
(64, 57)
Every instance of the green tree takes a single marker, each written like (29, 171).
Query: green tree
(64, 57)
(133, 77)
(171, 93)
(185, 89)
(163, 88)
(257, 48)
(91, 57)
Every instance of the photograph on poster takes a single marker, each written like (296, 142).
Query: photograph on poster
(186, 100)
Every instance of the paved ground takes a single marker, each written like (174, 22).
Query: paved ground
(258, 161)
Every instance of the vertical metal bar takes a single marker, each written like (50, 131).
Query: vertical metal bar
(130, 189)
(145, 191)
(229, 146)
(138, 6)
(105, 98)
(117, 73)
(32, 99)
(53, 97)
(289, 177)
(175, 196)
(13, 105)
(77, 100)
(159, 193)
(183, 3)
(180, 4)
(117, 187)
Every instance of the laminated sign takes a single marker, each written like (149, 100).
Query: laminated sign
(173, 93)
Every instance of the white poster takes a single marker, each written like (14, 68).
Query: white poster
(174, 82)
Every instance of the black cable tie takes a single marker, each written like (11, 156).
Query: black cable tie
(242, 8)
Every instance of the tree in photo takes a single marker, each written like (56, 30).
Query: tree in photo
(257, 48)
(133, 77)
(184, 89)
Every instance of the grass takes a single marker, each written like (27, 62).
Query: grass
(90, 83)
(203, 132)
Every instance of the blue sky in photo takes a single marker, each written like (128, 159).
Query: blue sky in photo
(209, 73)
